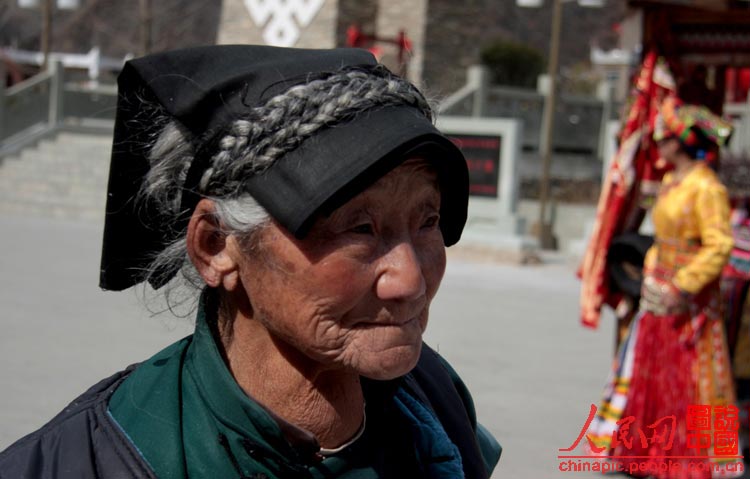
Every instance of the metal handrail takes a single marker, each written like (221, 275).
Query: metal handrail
(29, 83)
(98, 89)
(53, 104)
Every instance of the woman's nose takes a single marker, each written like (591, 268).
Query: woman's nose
(402, 276)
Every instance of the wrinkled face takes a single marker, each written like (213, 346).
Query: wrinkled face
(355, 292)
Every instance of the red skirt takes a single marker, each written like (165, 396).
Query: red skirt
(678, 364)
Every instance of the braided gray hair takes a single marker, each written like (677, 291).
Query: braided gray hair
(254, 142)
(269, 131)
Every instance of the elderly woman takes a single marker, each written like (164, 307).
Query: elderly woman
(674, 358)
(308, 196)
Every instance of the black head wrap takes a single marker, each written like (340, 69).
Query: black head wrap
(205, 90)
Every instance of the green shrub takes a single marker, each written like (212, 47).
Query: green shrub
(513, 64)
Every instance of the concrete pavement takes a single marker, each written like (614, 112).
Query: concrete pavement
(512, 333)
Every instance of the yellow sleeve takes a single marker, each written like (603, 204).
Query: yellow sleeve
(712, 210)
(649, 261)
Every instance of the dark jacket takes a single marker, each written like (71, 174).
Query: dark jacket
(79, 443)
(84, 441)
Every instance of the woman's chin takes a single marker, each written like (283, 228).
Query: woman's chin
(389, 364)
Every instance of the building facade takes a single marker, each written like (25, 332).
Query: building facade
(443, 37)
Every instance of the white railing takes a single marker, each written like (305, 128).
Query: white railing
(92, 61)
(46, 102)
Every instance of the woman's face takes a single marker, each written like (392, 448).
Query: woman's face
(355, 292)
(668, 148)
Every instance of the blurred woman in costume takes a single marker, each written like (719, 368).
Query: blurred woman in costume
(675, 355)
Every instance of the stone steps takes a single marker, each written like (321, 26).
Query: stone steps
(60, 177)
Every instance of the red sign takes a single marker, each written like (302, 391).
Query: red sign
(482, 153)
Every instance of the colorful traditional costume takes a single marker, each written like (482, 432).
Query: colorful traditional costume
(735, 282)
(675, 358)
(631, 182)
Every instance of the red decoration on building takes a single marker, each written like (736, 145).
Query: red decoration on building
(356, 38)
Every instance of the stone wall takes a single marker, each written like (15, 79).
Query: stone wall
(362, 13)
(447, 36)
(238, 26)
(385, 18)
(321, 33)
(395, 16)
(455, 33)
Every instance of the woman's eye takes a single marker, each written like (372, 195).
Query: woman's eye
(431, 221)
(363, 229)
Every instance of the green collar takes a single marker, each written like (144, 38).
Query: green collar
(245, 431)
(188, 417)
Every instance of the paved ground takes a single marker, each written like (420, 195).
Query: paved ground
(511, 332)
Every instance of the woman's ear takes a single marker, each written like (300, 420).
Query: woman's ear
(207, 247)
